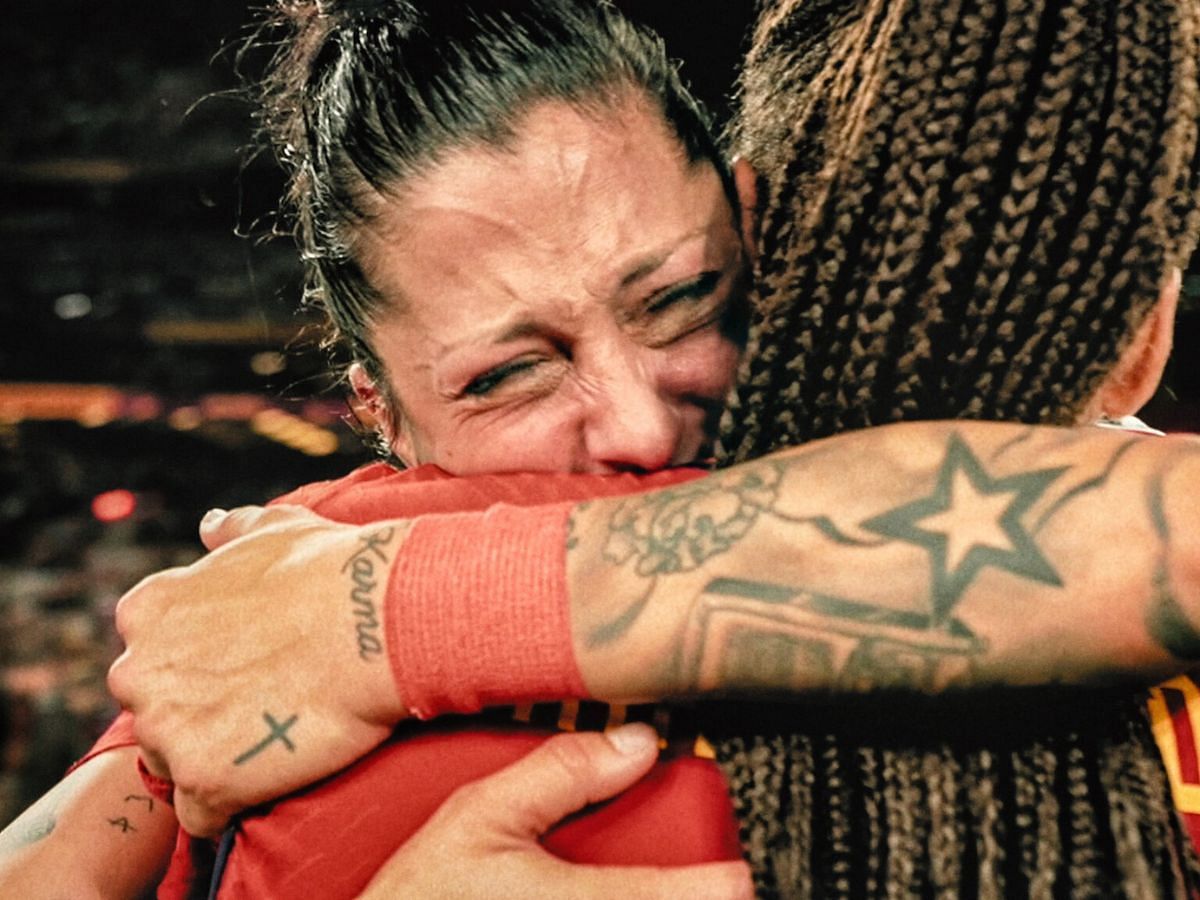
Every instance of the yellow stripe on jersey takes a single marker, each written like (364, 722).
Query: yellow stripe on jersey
(1187, 796)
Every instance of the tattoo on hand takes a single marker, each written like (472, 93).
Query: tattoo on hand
(362, 568)
(277, 731)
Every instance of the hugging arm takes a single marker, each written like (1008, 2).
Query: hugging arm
(97, 834)
(483, 841)
(944, 556)
(921, 556)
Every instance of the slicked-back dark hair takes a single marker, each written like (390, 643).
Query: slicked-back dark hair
(970, 206)
(364, 94)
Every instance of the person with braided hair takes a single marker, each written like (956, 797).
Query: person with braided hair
(971, 210)
(781, 503)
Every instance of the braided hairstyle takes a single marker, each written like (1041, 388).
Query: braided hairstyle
(362, 95)
(969, 207)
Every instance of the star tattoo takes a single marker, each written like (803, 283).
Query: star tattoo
(971, 521)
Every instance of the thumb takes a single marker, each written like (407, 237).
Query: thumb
(564, 774)
(220, 527)
(706, 881)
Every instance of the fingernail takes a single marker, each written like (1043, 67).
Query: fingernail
(632, 739)
(212, 517)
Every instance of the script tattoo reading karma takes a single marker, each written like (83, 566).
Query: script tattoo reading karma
(366, 566)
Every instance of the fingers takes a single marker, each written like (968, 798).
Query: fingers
(483, 841)
(119, 676)
(197, 819)
(561, 776)
(219, 526)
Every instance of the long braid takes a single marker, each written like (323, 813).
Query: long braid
(968, 210)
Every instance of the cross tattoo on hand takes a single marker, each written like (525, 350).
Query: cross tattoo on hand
(277, 732)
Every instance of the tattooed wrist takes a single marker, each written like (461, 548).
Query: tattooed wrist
(367, 568)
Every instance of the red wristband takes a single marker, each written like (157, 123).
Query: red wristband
(476, 611)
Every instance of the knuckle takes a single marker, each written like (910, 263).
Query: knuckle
(194, 783)
(139, 602)
(126, 612)
(243, 518)
(251, 517)
(118, 680)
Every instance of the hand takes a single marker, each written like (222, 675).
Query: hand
(262, 667)
(483, 841)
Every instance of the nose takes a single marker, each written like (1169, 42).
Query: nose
(631, 425)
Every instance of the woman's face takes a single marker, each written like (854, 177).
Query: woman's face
(571, 303)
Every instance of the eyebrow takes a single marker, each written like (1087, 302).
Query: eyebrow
(637, 268)
(647, 264)
(517, 330)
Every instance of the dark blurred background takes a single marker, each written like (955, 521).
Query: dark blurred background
(153, 362)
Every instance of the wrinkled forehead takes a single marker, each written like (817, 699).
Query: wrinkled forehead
(573, 189)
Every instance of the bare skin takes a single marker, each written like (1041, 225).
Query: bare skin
(942, 556)
(117, 843)
(984, 547)
(130, 835)
(496, 823)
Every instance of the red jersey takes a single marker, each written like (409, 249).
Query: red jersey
(335, 835)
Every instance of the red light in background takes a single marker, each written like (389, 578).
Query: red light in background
(113, 506)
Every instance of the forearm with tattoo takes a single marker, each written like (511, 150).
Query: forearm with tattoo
(970, 554)
(96, 834)
(366, 574)
(367, 570)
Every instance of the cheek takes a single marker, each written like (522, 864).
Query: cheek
(540, 437)
(702, 365)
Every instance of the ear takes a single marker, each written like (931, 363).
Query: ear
(381, 414)
(1137, 373)
(745, 184)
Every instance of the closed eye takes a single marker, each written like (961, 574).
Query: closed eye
(696, 289)
(484, 384)
(684, 309)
